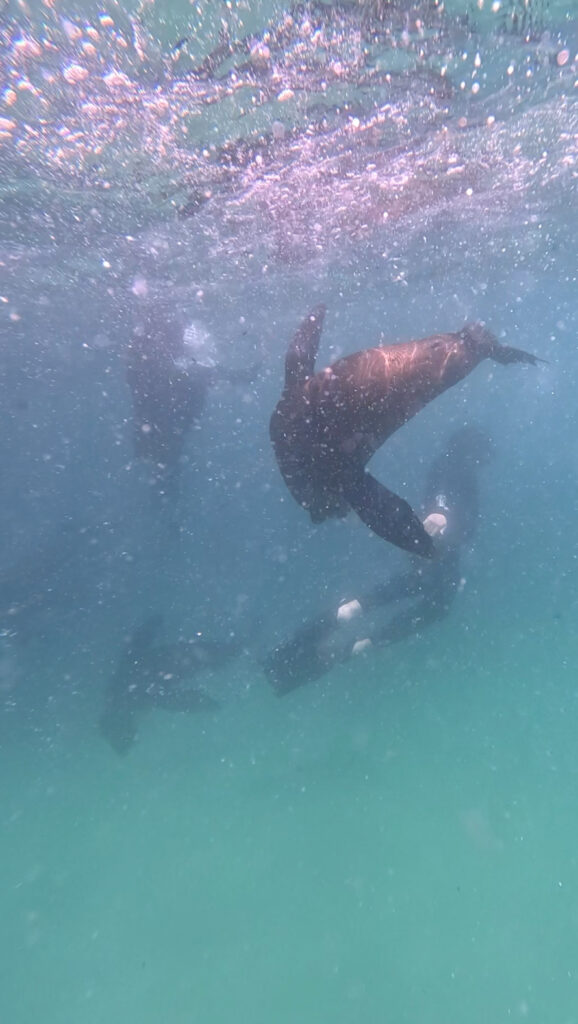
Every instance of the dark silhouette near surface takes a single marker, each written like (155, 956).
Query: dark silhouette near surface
(327, 425)
(169, 388)
(155, 675)
(425, 592)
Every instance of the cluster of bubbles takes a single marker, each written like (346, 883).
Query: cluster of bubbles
(199, 347)
(337, 124)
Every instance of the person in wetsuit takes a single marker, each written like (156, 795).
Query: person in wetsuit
(169, 381)
(451, 510)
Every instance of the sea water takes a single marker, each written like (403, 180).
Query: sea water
(395, 842)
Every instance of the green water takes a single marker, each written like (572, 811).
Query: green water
(398, 845)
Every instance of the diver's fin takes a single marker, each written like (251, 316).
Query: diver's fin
(507, 354)
(302, 352)
(388, 515)
(301, 659)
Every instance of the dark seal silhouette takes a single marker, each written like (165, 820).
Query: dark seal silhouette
(169, 390)
(155, 675)
(327, 425)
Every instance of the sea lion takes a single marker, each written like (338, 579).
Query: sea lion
(170, 369)
(156, 675)
(327, 425)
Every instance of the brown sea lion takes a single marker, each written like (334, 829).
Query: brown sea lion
(327, 425)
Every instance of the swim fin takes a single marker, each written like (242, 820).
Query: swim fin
(301, 659)
(388, 515)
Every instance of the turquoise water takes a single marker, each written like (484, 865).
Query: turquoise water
(402, 849)
(395, 842)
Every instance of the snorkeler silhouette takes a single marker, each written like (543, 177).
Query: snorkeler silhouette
(327, 425)
(151, 675)
(169, 378)
(451, 511)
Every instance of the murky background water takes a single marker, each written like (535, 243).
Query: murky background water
(396, 841)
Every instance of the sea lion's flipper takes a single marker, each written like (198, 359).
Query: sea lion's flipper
(507, 354)
(487, 346)
(119, 726)
(126, 698)
(302, 352)
(388, 515)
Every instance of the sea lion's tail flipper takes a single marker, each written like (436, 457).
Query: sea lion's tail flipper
(388, 515)
(507, 354)
(302, 352)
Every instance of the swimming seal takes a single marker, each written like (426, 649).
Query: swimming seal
(327, 425)
(156, 675)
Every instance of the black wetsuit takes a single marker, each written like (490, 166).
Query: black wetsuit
(452, 489)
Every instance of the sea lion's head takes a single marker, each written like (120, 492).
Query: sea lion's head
(479, 338)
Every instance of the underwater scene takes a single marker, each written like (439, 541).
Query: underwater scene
(288, 563)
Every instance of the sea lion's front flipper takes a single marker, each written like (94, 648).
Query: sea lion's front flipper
(302, 352)
(388, 515)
